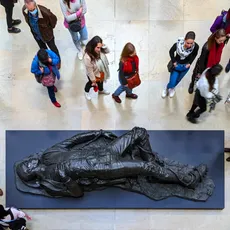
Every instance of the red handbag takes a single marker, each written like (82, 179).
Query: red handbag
(134, 81)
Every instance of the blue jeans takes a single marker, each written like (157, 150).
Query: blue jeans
(78, 37)
(176, 75)
(121, 89)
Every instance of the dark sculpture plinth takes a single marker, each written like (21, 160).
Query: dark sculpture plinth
(97, 160)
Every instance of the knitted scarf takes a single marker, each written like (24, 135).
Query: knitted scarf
(181, 51)
(214, 56)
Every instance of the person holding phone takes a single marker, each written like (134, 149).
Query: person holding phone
(74, 12)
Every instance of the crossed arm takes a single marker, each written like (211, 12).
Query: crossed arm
(69, 143)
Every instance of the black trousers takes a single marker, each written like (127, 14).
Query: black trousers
(200, 102)
(195, 72)
(9, 13)
(17, 224)
(89, 85)
(51, 44)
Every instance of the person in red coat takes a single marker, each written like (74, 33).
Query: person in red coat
(11, 23)
(128, 66)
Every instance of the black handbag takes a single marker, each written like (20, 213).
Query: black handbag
(170, 66)
(75, 25)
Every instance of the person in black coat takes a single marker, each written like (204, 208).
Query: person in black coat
(11, 23)
(200, 67)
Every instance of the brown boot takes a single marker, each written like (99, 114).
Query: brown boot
(132, 96)
(116, 98)
(1, 192)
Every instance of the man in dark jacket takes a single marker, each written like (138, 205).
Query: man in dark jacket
(42, 22)
(9, 5)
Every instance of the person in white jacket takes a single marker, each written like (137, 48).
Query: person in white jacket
(207, 93)
(13, 218)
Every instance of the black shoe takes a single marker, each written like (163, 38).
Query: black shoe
(228, 159)
(192, 120)
(190, 88)
(16, 22)
(189, 114)
(227, 68)
(196, 115)
(14, 30)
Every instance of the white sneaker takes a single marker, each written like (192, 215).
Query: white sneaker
(80, 56)
(106, 92)
(171, 93)
(87, 96)
(164, 93)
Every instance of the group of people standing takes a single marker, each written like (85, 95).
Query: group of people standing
(207, 68)
(47, 63)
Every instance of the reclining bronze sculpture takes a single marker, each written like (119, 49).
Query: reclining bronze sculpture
(97, 160)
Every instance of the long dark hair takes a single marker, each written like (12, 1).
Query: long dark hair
(211, 75)
(90, 48)
(212, 39)
(67, 3)
(3, 212)
(128, 49)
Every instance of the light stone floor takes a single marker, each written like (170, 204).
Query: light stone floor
(153, 26)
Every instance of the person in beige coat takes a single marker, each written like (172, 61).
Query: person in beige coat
(96, 64)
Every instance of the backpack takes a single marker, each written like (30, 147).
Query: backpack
(219, 22)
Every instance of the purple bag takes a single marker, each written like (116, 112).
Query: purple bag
(219, 22)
